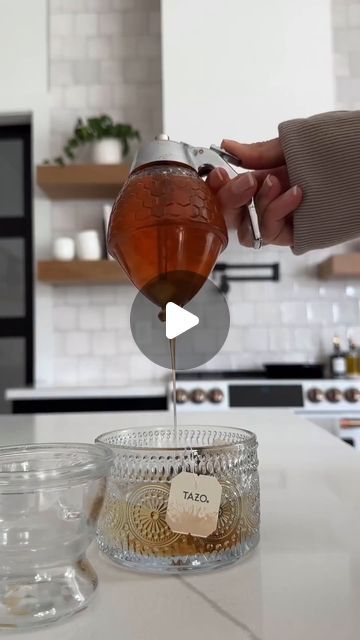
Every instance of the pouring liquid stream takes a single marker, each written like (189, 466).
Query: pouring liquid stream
(172, 343)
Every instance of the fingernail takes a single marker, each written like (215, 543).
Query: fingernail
(219, 176)
(268, 181)
(244, 182)
(295, 190)
(251, 179)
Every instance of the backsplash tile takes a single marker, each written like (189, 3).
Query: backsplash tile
(105, 57)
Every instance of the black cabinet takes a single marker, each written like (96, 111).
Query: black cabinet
(16, 264)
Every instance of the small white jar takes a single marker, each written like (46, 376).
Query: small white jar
(64, 249)
(88, 246)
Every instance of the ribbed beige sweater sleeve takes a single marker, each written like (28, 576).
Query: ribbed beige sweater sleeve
(323, 157)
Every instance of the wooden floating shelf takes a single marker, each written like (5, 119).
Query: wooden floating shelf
(86, 272)
(81, 180)
(345, 265)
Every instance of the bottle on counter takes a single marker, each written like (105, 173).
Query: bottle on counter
(338, 360)
(353, 360)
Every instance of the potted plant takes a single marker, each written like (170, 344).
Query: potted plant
(109, 140)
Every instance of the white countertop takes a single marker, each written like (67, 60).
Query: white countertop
(301, 583)
(145, 388)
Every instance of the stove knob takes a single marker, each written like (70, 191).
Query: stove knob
(181, 396)
(216, 395)
(352, 394)
(334, 395)
(315, 395)
(198, 396)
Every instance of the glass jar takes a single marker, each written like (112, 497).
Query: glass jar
(50, 499)
(167, 213)
(132, 528)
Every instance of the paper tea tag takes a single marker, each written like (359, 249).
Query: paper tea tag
(193, 505)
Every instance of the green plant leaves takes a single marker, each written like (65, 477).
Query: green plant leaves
(97, 128)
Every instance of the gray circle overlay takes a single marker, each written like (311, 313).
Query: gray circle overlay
(194, 347)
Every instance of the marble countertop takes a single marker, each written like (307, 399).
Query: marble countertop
(303, 580)
(145, 388)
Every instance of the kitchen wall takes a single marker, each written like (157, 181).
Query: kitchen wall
(105, 56)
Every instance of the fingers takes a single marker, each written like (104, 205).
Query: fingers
(260, 155)
(270, 189)
(275, 214)
(217, 179)
(275, 211)
(237, 192)
(281, 173)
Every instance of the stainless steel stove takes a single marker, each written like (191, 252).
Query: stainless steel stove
(333, 404)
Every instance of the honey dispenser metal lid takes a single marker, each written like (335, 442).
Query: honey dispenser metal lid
(162, 149)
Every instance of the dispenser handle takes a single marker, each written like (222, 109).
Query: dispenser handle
(206, 159)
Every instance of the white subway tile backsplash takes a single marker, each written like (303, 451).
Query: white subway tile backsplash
(149, 46)
(155, 23)
(99, 6)
(72, 48)
(110, 23)
(111, 73)
(135, 22)
(242, 313)
(136, 71)
(86, 24)
(91, 369)
(98, 95)
(256, 339)
(353, 15)
(281, 339)
(62, 73)
(306, 339)
(60, 341)
(65, 371)
(102, 295)
(65, 318)
(77, 343)
(124, 47)
(74, 6)
(116, 370)
(61, 24)
(99, 48)
(346, 311)
(90, 318)
(55, 6)
(141, 368)
(293, 313)
(267, 313)
(116, 317)
(74, 97)
(86, 72)
(103, 343)
(320, 312)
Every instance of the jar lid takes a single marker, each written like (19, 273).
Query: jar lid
(162, 149)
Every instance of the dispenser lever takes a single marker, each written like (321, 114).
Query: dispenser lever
(206, 159)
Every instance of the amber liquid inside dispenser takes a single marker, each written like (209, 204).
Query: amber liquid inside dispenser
(167, 232)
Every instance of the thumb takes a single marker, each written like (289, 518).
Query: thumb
(259, 155)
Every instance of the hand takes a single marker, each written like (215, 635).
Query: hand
(269, 184)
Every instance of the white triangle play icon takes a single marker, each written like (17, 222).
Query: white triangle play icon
(178, 320)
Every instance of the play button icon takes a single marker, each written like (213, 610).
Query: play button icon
(200, 325)
(178, 320)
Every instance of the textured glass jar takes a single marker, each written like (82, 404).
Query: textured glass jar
(132, 529)
(50, 499)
